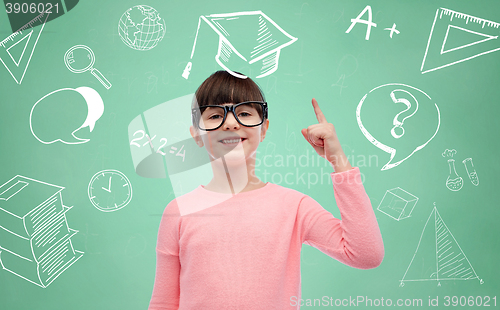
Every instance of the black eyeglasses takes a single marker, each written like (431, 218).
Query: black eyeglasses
(248, 114)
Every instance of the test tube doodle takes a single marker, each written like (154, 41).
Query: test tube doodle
(471, 171)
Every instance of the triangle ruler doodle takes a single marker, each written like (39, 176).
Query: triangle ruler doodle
(438, 256)
(17, 49)
(457, 37)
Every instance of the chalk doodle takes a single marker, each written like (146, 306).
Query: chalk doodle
(141, 134)
(471, 171)
(399, 133)
(454, 182)
(392, 30)
(369, 24)
(49, 115)
(407, 113)
(141, 27)
(16, 55)
(35, 240)
(250, 36)
(109, 190)
(457, 37)
(348, 66)
(397, 203)
(438, 256)
(80, 58)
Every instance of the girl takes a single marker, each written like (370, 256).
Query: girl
(235, 243)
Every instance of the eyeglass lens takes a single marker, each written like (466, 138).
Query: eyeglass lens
(249, 114)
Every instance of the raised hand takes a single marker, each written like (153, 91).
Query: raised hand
(323, 139)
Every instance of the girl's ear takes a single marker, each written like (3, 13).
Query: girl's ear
(195, 134)
(263, 131)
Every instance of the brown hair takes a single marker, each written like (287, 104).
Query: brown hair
(222, 87)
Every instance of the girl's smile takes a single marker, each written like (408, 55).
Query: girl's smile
(232, 140)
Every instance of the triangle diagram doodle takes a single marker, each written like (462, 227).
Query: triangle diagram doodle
(457, 37)
(452, 264)
(438, 255)
(17, 49)
(466, 38)
(422, 265)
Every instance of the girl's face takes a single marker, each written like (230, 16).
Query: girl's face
(232, 140)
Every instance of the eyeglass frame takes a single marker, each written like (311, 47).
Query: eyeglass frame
(227, 109)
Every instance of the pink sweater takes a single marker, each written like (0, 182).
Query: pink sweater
(244, 253)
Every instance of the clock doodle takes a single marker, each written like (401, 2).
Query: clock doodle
(109, 190)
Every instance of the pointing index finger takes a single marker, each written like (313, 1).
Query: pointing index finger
(319, 115)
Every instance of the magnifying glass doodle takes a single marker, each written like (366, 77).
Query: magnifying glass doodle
(80, 58)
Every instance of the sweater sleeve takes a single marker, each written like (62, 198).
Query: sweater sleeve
(166, 288)
(355, 240)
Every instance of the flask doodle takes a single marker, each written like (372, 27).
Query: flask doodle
(54, 116)
(398, 133)
(398, 124)
(454, 182)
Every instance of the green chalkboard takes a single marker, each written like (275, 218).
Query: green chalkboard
(101, 90)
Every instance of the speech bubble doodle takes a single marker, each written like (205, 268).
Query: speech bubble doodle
(421, 120)
(54, 117)
(94, 104)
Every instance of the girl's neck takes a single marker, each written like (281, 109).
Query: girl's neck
(232, 177)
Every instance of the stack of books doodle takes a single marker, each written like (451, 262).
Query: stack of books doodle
(35, 240)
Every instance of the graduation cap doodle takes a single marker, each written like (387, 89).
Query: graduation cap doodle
(251, 37)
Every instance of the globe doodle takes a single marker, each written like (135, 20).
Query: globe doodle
(141, 27)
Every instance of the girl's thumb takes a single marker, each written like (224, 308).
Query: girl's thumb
(304, 133)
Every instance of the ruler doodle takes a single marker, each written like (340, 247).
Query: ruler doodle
(16, 47)
(457, 37)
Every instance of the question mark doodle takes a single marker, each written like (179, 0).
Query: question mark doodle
(396, 122)
(426, 122)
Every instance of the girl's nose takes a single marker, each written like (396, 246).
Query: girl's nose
(231, 122)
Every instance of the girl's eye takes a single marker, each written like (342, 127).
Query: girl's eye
(215, 116)
(243, 114)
